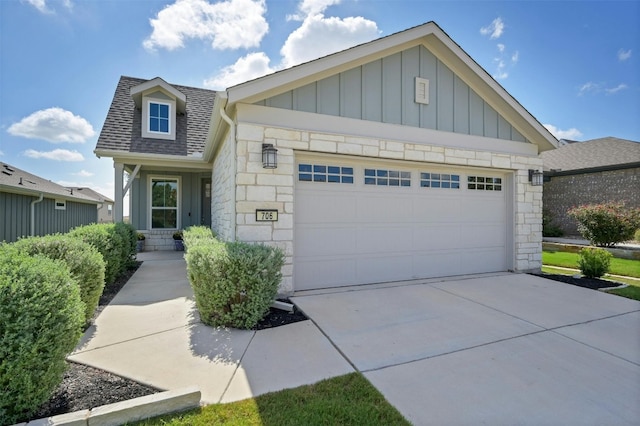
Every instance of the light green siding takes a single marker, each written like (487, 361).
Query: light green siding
(15, 216)
(190, 194)
(384, 91)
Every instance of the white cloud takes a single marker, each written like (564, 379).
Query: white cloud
(623, 55)
(595, 88)
(616, 89)
(230, 24)
(1, 153)
(247, 68)
(319, 36)
(53, 125)
(494, 30)
(56, 154)
(82, 173)
(571, 134)
(311, 7)
(515, 57)
(501, 47)
(43, 7)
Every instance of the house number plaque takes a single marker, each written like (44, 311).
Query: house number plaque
(266, 215)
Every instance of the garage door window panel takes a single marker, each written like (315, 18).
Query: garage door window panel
(439, 180)
(484, 183)
(382, 177)
(324, 173)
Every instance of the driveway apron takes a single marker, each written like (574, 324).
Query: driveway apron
(495, 349)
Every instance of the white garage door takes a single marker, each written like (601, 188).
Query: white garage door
(361, 222)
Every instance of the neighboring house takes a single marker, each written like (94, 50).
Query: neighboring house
(105, 208)
(397, 159)
(31, 205)
(590, 172)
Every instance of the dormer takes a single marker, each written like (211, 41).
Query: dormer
(160, 103)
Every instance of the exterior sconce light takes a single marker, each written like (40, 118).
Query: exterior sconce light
(269, 156)
(536, 177)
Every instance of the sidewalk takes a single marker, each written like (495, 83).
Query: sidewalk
(583, 242)
(151, 333)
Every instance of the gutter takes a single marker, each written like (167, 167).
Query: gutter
(607, 168)
(232, 130)
(33, 216)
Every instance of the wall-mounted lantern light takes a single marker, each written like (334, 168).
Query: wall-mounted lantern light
(536, 177)
(269, 156)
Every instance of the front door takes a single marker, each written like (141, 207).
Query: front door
(206, 202)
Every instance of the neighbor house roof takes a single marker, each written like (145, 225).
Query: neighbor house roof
(435, 40)
(91, 193)
(122, 128)
(603, 153)
(15, 180)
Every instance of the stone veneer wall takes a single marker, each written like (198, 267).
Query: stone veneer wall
(562, 193)
(222, 212)
(259, 188)
(158, 239)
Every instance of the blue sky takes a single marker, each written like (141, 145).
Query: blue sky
(575, 65)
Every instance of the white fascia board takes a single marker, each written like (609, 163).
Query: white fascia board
(138, 91)
(46, 194)
(299, 75)
(453, 56)
(217, 127)
(156, 160)
(306, 121)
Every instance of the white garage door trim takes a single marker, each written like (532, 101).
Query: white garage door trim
(408, 221)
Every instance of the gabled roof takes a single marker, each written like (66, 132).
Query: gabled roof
(435, 40)
(608, 153)
(90, 193)
(121, 132)
(158, 83)
(15, 180)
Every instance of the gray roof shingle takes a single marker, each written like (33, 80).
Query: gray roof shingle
(122, 127)
(13, 179)
(596, 153)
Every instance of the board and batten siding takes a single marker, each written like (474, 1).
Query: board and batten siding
(384, 91)
(15, 219)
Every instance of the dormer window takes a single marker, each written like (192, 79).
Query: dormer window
(159, 103)
(159, 114)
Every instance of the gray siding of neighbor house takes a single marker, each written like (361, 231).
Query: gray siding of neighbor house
(190, 198)
(15, 216)
(564, 192)
(384, 91)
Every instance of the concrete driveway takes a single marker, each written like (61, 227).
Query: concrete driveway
(501, 349)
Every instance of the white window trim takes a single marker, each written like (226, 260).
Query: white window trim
(146, 120)
(149, 196)
(60, 204)
(148, 116)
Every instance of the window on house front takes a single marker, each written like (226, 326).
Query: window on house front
(60, 205)
(109, 209)
(159, 117)
(164, 203)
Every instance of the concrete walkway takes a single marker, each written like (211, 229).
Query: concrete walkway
(493, 349)
(151, 333)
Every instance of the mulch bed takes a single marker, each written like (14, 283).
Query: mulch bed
(85, 387)
(592, 283)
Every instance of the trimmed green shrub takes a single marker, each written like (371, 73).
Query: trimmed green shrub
(636, 236)
(594, 262)
(115, 242)
(606, 224)
(195, 234)
(84, 262)
(40, 318)
(234, 283)
(129, 237)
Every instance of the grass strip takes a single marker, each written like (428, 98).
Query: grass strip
(624, 267)
(344, 400)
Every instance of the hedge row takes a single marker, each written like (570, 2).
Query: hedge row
(41, 315)
(234, 283)
(49, 288)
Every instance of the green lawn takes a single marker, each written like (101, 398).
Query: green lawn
(344, 400)
(625, 267)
